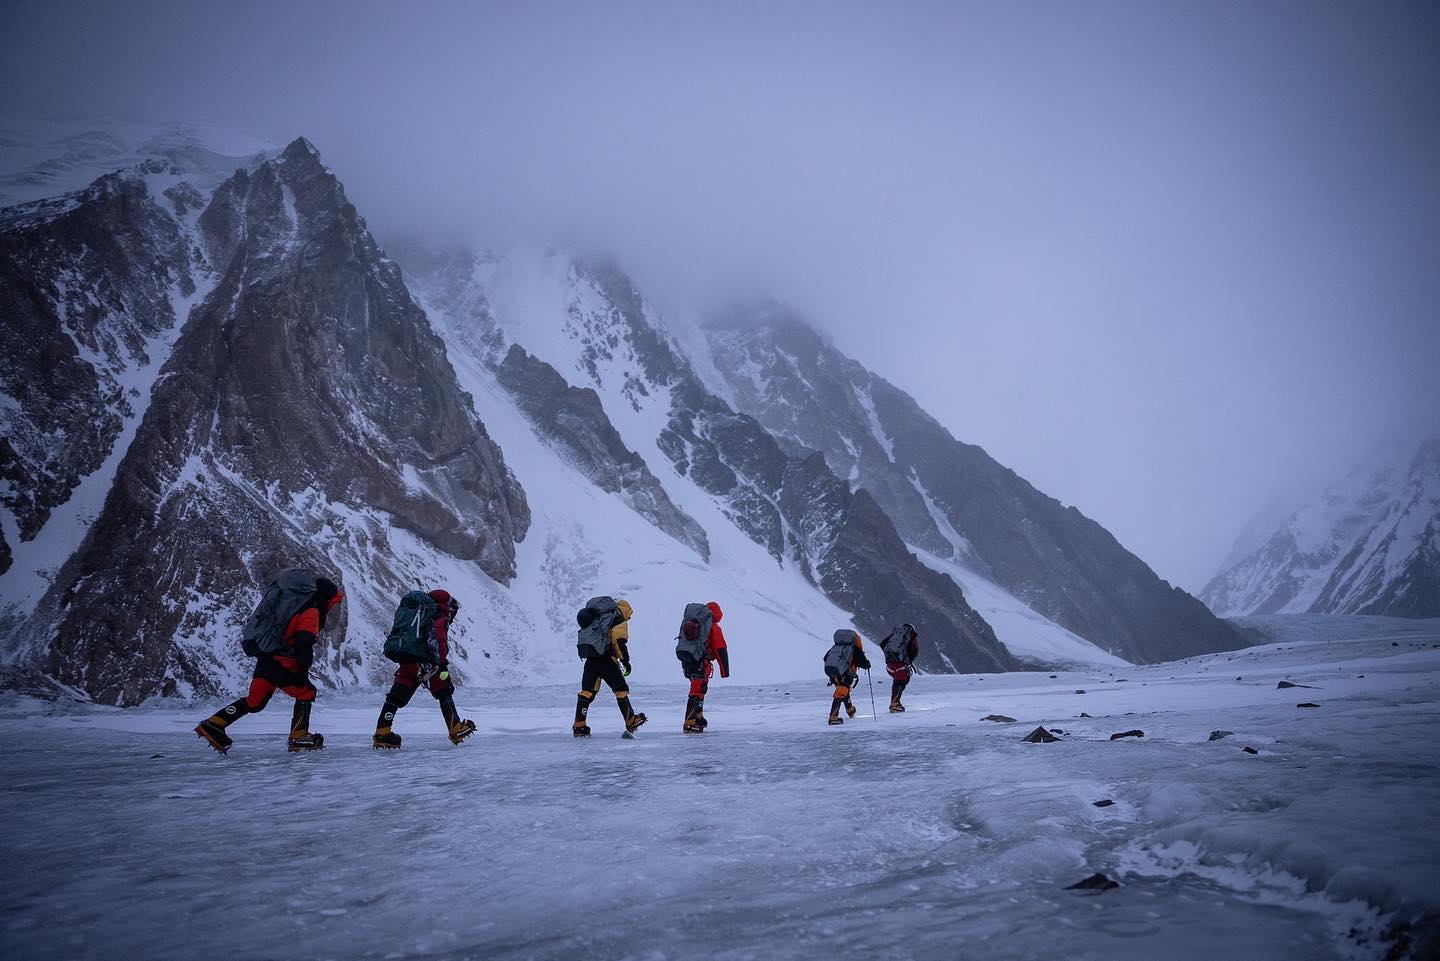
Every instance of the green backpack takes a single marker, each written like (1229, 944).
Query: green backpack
(410, 632)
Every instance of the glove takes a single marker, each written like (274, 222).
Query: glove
(625, 667)
(863, 662)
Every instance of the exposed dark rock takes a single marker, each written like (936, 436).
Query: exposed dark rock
(999, 718)
(1095, 882)
(1103, 803)
(1039, 736)
(1083, 714)
(1284, 684)
(1217, 735)
(1066, 566)
(1081, 691)
(1135, 733)
(574, 421)
(1250, 750)
(1308, 704)
(304, 395)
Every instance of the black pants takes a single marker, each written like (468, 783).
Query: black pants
(602, 670)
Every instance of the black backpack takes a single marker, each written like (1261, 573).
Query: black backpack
(897, 645)
(596, 619)
(287, 595)
(411, 629)
(693, 641)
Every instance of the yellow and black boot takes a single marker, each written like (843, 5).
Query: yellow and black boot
(632, 719)
(212, 729)
(459, 728)
(301, 738)
(835, 704)
(582, 711)
(386, 739)
(694, 716)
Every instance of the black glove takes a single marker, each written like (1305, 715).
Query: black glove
(624, 667)
(861, 661)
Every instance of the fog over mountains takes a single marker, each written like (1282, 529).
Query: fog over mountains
(244, 378)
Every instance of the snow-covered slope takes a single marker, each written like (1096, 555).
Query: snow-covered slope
(1368, 545)
(971, 517)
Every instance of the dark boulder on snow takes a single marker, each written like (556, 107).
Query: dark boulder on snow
(1217, 735)
(1103, 803)
(1083, 714)
(1250, 750)
(1284, 684)
(1307, 704)
(1095, 882)
(1039, 736)
(999, 718)
(1081, 691)
(1122, 734)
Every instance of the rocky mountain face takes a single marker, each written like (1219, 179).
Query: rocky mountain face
(952, 500)
(306, 413)
(206, 378)
(573, 419)
(789, 502)
(1368, 545)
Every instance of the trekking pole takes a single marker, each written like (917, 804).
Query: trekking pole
(873, 715)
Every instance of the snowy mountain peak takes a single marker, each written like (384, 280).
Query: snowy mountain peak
(1367, 545)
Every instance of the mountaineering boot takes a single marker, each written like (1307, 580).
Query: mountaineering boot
(835, 717)
(212, 729)
(849, 708)
(582, 711)
(385, 738)
(694, 722)
(461, 729)
(896, 707)
(632, 720)
(300, 737)
(458, 728)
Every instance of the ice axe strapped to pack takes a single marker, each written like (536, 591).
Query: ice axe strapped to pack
(692, 643)
(288, 593)
(596, 619)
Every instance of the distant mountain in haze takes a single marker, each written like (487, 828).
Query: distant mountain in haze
(1368, 545)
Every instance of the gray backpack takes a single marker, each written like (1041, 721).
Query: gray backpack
(693, 641)
(840, 655)
(596, 619)
(287, 595)
(897, 645)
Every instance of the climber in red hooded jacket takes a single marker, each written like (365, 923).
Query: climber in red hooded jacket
(434, 674)
(699, 673)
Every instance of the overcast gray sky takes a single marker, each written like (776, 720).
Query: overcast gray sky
(1166, 260)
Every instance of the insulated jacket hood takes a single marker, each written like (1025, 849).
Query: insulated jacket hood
(715, 611)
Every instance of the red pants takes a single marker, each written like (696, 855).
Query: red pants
(276, 671)
(408, 675)
(700, 679)
(898, 670)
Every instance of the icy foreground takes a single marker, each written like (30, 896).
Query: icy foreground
(927, 835)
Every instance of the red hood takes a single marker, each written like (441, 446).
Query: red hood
(715, 611)
(442, 598)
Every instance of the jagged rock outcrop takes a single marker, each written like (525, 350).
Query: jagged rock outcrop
(1368, 545)
(307, 413)
(952, 499)
(573, 419)
(89, 289)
